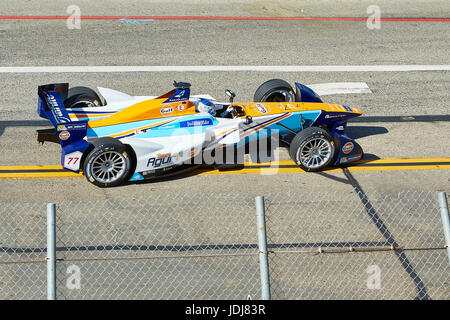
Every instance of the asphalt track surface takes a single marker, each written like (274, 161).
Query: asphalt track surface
(405, 120)
(384, 131)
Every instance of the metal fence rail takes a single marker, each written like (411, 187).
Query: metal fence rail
(351, 245)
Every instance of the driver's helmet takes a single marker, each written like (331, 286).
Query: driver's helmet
(206, 106)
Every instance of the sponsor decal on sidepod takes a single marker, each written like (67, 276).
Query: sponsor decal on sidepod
(160, 160)
(347, 148)
(166, 111)
(261, 108)
(64, 135)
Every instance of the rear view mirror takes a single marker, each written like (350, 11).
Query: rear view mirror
(230, 94)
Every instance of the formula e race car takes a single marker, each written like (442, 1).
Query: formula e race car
(115, 137)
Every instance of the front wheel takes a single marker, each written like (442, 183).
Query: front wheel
(274, 90)
(312, 149)
(108, 164)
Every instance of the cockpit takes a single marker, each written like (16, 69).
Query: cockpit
(204, 105)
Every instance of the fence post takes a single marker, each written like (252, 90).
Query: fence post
(445, 220)
(262, 245)
(51, 252)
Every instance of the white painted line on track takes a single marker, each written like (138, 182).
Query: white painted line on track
(323, 89)
(360, 68)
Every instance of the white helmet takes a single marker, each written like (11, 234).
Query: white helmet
(206, 106)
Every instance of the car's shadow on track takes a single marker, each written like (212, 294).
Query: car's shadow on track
(199, 169)
(194, 171)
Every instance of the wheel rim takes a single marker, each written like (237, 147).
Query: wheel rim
(83, 104)
(315, 153)
(278, 96)
(108, 167)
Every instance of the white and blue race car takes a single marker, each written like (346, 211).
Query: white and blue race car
(113, 137)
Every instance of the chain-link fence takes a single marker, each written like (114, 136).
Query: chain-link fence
(205, 246)
(357, 245)
(23, 251)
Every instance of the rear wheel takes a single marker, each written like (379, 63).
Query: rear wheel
(275, 90)
(109, 164)
(312, 149)
(82, 97)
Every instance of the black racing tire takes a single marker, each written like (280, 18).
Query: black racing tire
(275, 90)
(109, 163)
(82, 97)
(312, 149)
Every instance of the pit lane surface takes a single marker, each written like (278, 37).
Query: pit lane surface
(405, 120)
(37, 43)
(264, 168)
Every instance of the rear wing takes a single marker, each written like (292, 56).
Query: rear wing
(70, 134)
(51, 107)
(50, 103)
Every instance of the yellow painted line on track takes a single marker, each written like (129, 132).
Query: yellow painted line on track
(275, 170)
(406, 160)
(268, 168)
(39, 175)
(362, 162)
(399, 168)
(12, 168)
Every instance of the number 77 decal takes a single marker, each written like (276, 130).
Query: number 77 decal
(72, 161)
